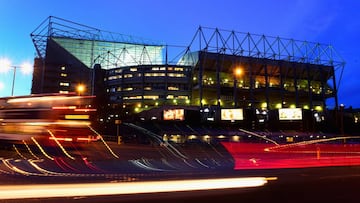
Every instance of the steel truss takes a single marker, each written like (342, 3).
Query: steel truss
(267, 48)
(58, 27)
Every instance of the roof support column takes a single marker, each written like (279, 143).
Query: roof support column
(218, 85)
(335, 89)
(267, 86)
(251, 83)
(309, 86)
(282, 88)
(200, 80)
(296, 87)
(323, 82)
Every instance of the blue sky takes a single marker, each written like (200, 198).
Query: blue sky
(335, 22)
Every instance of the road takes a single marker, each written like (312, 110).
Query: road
(293, 173)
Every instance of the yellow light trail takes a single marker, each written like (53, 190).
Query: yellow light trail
(102, 139)
(61, 147)
(41, 149)
(18, 152)
(28, 148)
(95, 189)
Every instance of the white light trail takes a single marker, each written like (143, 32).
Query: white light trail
(94, 189)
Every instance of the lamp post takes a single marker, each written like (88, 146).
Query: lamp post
(13, 81)
(5, 65)
(237, 73)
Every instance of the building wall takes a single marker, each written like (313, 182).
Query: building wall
(147, 86)
(60, 72)
(261, 83)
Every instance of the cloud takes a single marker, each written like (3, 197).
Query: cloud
(312, 18)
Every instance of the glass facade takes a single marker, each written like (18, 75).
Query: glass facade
(111, 54)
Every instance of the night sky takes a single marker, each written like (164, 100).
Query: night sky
(335, 22)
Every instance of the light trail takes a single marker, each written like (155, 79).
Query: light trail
(28, 148)
(95, 189)
(61, 147)
(44, 171)
(41, 149)
(309, 142)
(7, 163)
(102, 139)
(18, 152)
(260, 136)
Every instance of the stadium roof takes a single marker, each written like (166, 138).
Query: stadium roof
(61, 28)
(216, 40)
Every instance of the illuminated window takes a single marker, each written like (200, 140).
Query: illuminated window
(128, 76)
(170, 96)
(63, 92)
(176, 75)
(183, 97)
(154, 74)
(133, 69)
(62, 68)
(114, 77)
(128, 89)
(155, 68)
(153, 97)
(63, 75)
(179, 69)
(147, 88)
(132, 97)
(173, 88)
(66, 84)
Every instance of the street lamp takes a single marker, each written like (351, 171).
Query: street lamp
(5, 65)
(238, 71)
(80, 88)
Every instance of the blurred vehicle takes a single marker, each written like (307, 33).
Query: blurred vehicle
(57, 117)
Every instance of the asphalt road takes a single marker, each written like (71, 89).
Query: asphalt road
(137, 163)
(324, 184)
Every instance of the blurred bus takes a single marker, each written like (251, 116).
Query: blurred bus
(58, 117)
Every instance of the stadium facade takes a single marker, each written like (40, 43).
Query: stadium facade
(222, 76)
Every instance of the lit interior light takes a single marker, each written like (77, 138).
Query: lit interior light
(318, 108)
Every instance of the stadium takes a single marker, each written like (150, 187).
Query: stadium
(221, 81)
